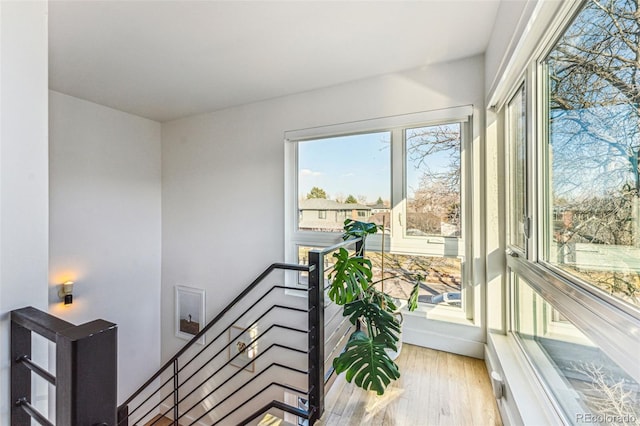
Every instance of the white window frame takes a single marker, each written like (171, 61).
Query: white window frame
(610, 324)
(508, 132)
(397, 242)
(433, 245)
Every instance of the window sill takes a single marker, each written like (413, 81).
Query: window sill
(443, 328)
(444, 313)
(524, 401)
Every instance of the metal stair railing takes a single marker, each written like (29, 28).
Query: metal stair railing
(86, 367)
(194, 387)
(183, 377)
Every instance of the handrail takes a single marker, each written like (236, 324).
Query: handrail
(225, 347)
(40, 322)
(206, 328)
(184, 397)
(65, 334)
(338, 245)
(314, 351)
(253, 396)
(276, 345)
(84, 350)
(317, 379)
(240, 316)
(235, 356)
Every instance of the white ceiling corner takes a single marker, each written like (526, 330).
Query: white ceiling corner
(169, 59)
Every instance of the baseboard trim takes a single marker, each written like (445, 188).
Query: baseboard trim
(443, 342)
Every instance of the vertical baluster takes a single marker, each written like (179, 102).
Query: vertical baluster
(176, 399)
(20, 375)
(316, 334)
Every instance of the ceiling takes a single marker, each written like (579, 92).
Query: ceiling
(169, 59)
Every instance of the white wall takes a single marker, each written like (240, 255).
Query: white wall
(105, 227)
(23, 169)
(518, 31)
(511, 22)
(223, 175)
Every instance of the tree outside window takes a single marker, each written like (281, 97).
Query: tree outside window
(594, 148)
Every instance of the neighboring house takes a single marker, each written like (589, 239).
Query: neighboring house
(319, 214)
(379, 208)
(381, 215)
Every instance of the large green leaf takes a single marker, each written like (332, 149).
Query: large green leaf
(366, 361)
(383, 323)
(353, 229)
(349, 278)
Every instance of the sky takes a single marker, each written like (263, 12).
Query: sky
(358, 165)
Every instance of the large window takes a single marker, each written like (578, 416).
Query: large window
(406, 174)
(587, 385)
(343, 177)
(593, 98)
(433, 180)
(573, 218)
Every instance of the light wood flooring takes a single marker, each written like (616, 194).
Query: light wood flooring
(435, 389)
(159, 420)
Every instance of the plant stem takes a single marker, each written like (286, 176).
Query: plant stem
(384, 222)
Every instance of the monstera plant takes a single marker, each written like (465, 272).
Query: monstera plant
(366, 358)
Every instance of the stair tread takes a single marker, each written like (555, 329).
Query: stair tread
(271, 420)
(160, 420)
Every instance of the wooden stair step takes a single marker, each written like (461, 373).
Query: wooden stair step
(271, 420)
(160, 420)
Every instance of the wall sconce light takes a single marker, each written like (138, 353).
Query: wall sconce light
(66, 292)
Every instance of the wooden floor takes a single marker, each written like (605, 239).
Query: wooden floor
(159, 420)
(435, 388)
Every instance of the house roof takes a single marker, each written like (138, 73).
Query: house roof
(324, 204)
(379, 206)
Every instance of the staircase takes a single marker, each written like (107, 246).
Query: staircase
(265, 359)
(271, 420)
(84, 384)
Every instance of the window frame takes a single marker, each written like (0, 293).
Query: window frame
(544, 371)
(510, 185)
(543, 168)
(396, 242)
(431, 245)
(611, 324)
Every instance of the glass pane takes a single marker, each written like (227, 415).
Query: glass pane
(303, 259)
(516, 119)
(594, 147)
(346, 177)
(440, 277)
(587, 385)
(433, 180)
